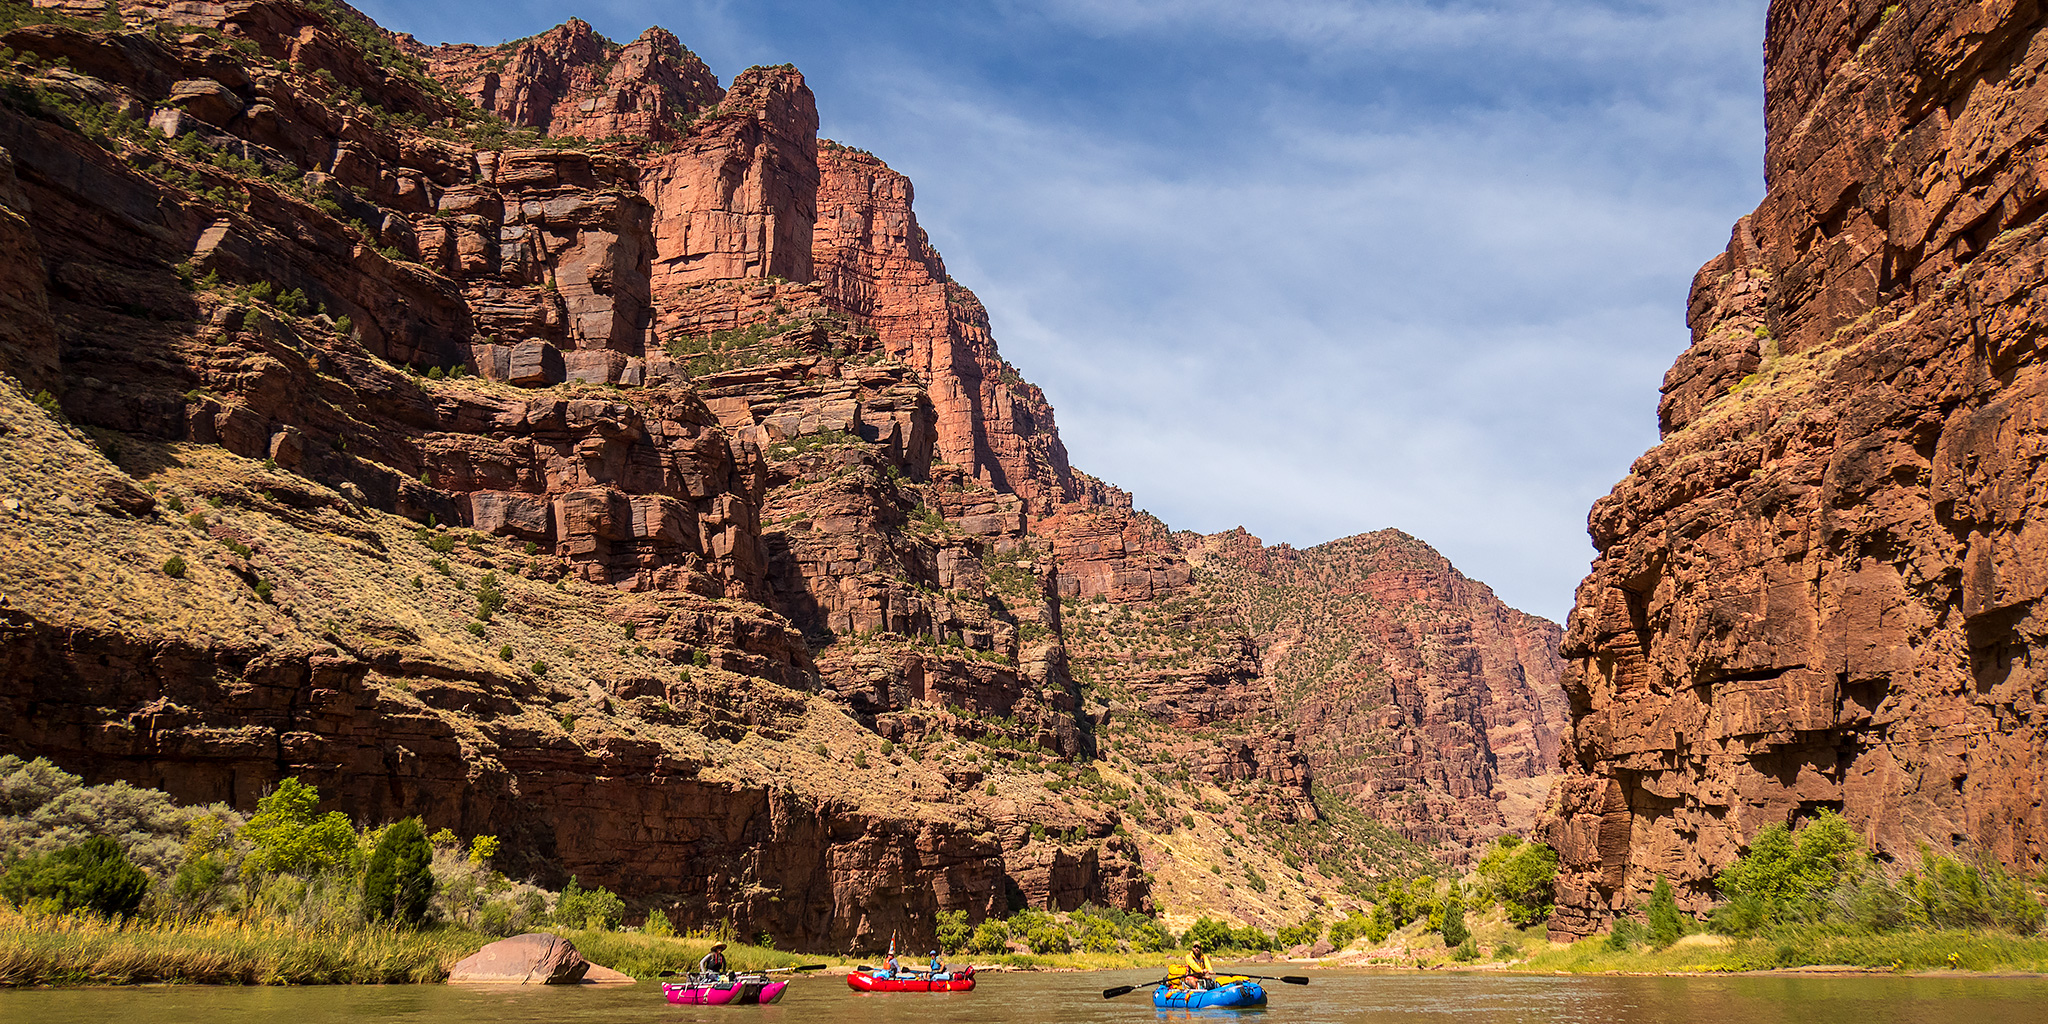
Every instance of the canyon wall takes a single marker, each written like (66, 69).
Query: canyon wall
(1823, 588)
(557, 444)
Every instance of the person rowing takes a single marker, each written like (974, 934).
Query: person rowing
(1201, 973)
(938, 968)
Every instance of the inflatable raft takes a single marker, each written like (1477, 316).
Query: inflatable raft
(1228, 993)
(961, 980)
(730, 990)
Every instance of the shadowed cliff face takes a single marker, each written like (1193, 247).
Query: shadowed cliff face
(786, 559)
(1823, 588)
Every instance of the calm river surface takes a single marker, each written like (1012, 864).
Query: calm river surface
(1335, 997)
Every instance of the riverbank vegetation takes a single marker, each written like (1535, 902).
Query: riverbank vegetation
(118, 885)
(1818, 896)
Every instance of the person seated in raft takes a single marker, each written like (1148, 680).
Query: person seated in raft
(714, 962)
(890, 969)
(938, 970)
(1201, 973)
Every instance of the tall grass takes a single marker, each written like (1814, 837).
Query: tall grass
(1808, 946)
(62, 950)
(44, 950)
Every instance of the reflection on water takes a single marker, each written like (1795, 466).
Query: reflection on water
(1335, 997)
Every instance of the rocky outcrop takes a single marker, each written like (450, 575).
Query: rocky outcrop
(875, 262)
(1822, 588)
(570, 82)
(1412, 691)
(738, 198)
(28, 337)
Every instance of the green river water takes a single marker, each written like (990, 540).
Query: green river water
(1334, 997)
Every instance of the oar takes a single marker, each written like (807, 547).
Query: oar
(1124, 990)
(806, 967)
(1292, 979)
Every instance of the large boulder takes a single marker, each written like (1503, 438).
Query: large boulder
(535, 958)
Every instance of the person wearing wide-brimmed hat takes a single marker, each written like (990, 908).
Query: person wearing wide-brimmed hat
(714, 961)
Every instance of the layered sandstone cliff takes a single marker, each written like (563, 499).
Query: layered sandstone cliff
(562, 446)
(1823, 588)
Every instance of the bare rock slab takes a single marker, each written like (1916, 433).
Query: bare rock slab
(535, 958)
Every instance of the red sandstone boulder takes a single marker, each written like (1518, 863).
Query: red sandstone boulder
(536, 958)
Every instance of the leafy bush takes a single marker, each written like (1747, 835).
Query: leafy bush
(1521, 876)
(1627, 934)
(954, 932)
(596, 909)
(1379, 926)
(1665, 922)
(657, 923)
(990, 936)
(1454, 930)
(1208, 933)
(1348, 928)
(1048, 937)
(399, 883)
(44, 809)
(92, 876)
(286, 835)
(1299, 934)
(174, 567)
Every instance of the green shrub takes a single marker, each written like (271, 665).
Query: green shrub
(174, 567)
(1522, 876)
(657, 924)
(1379, 926)
(596, 909)
(489, 599)
(954, 932)
(92, 876)
(990, 936)
(1208, 933)
(1454, 931)
(286, 835)
(1665, 923)
(399, 882)
(1627, 934)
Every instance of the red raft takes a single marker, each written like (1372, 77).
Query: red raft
(961, 980)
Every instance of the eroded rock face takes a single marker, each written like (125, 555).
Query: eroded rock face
(571, 82)
(738, 198)
(1822, 588)
(875, 262)
(1412, 691)
(28, 337)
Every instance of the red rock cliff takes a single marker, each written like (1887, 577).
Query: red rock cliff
(1823, 588)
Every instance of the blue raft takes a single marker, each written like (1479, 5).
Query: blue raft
(1228, 995)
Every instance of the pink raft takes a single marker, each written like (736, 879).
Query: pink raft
(735, 990)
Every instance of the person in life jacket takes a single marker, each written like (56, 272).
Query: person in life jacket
(938, 968)
(714, 961)
(1201, 973)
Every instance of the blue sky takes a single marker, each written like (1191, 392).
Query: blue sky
(1312, 267)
